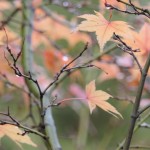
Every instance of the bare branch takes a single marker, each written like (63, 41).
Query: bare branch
(127, 49)
(64, 69)
(136, 10)
(16, 123)
(9, 18)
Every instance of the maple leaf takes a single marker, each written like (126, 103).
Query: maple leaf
(98, 98)
(140, 40)
(14, 133)
(112, 69)
(104, 29)
(47, 25)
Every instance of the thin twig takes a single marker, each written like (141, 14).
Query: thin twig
(142, 110)
(128, 50)
(9, 18)
(64, 69)
(18, 124)
(137, 10)
(111, 48)
(14, 66)
(139, 147)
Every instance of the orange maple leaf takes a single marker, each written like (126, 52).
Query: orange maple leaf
(140, 40)
(104, 29)
(54, 60)
(98, 98)
(14, 133)
(112, 69)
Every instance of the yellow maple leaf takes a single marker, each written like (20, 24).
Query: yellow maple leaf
(103, 28)
(98, 98)
(14, 133)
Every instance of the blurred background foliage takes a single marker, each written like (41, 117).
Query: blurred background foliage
(54, 44)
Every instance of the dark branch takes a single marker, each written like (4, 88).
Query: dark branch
(136, 10)
(9, 18)
(127, 49)
(65, 69)
(19, 125)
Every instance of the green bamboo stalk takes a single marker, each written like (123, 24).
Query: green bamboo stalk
(27, 57)
(27, 61)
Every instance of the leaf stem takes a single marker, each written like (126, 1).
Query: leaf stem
(68, 99)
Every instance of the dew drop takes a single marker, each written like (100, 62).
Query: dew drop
(65, 58)
(17, 76)
(107, 6)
